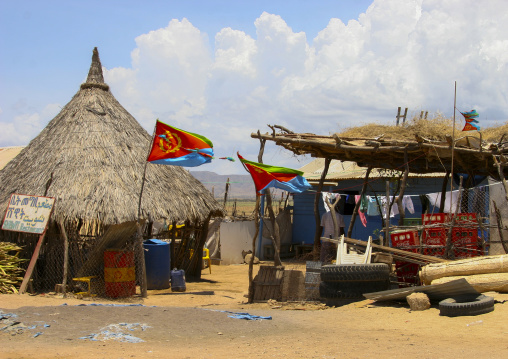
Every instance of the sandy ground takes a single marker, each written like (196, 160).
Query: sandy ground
(200, 323)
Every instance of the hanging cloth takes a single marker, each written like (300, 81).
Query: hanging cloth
(360, 213)
(372, 207)
(407, 203)
(435, 200)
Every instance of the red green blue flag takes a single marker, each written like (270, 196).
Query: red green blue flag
(471, 121)
(172, 146)
(266, 176)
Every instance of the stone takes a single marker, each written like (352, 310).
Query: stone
(418, 301)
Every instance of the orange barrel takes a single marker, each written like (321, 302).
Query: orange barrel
(119, 273)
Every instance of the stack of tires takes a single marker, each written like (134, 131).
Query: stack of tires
(351, 281)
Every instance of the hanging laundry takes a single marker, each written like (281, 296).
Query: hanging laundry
(331, 196)
(450, 199)
(372, 206)
(407, 203)
(360, 213)
(394, 211)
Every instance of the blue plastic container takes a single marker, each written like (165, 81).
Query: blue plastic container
(178, 280)
(157, 263)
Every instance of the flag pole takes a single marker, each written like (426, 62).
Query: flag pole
(143, 284)
(453, 145)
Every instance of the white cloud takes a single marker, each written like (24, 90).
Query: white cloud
(26, 125)
(398, 53)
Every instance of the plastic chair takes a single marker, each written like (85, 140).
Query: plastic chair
(87, 280)
(343, 257)
(206, 257)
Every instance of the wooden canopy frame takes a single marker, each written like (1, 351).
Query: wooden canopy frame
(469, 155)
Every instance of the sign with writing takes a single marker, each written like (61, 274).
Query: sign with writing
(28, 213)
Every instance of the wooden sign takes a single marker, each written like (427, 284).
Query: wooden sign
(28, 214)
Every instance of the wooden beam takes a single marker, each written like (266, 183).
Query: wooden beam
(399, 252)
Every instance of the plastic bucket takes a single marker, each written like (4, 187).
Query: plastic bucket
(178, 280)
(157, 263)
(119, 273)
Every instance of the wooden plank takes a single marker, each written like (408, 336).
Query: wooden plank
(267, 284)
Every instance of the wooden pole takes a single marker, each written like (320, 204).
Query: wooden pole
(35, 256)
(66, 259)
(226, 193)
(387, 220)
(31, 266)
(443, 192)
(251, 262)
(453, 143)
(357, 205)
(139, 233)
(448, 248)
(317, 233)
(275, 234)
(402, 214)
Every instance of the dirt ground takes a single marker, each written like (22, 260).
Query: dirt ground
(201, 323)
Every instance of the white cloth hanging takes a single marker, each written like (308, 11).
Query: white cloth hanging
(435, 200)
(332, 196)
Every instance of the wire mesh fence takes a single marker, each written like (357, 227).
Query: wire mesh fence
(109, 264)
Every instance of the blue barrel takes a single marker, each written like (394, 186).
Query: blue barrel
(178, 280)
(157, 264)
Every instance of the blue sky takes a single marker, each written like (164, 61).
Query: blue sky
(225, 69)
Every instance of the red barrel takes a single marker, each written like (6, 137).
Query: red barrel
(119, 273)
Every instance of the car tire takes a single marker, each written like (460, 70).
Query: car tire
(355, 272)
(466, 306)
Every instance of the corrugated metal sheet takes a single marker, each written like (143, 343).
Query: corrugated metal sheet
(435, 292)
(8, 153)
(344, 170)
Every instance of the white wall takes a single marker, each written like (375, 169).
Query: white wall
(235, 237)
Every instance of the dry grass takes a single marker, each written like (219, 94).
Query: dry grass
(436, 128)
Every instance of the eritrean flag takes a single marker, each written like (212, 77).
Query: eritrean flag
(265, 176)
(172, 146)
(471, 121)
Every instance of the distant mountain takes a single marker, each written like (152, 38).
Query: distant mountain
(240, 186)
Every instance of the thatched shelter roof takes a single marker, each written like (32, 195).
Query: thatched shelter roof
(428, 147)
(91, 158)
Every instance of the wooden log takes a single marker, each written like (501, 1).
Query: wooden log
(397, 253)
(497, 282)
(469, 266)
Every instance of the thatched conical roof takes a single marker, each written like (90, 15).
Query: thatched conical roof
(91, 158)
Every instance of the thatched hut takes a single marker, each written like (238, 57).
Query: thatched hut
(91, 158)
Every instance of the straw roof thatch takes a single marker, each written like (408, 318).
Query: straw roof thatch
(91, 158)
(425, 144)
